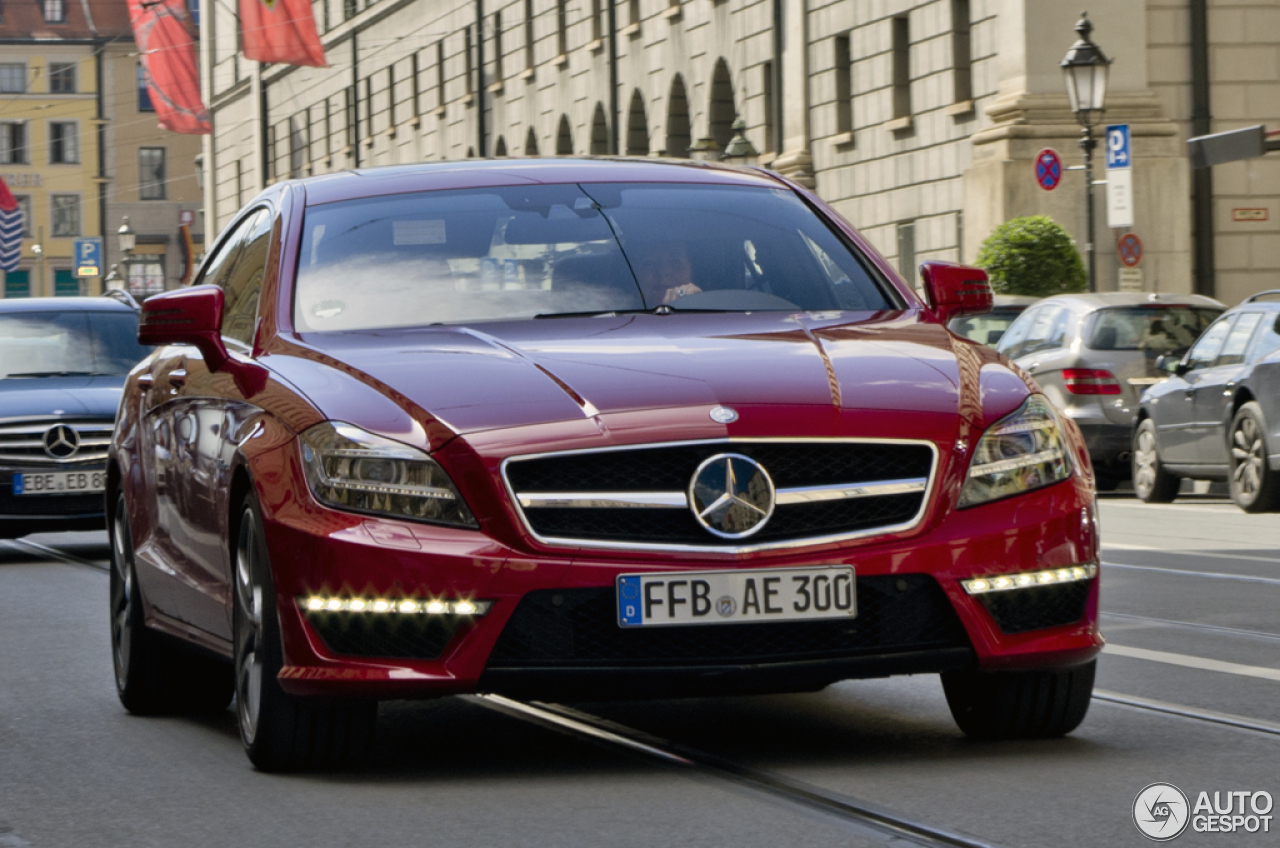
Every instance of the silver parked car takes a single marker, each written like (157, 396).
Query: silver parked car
(1095, 354)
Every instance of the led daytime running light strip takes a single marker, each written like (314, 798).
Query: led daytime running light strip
(1030, 579)
(391, 488)
(387, 606)
(1014, 464)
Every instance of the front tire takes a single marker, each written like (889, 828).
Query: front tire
(153, 675)
(1152, 483)
(1254, 486)
(282, 732)
(1019, 704)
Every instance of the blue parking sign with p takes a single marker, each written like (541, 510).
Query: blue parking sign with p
(1118, 146)
(88, 257)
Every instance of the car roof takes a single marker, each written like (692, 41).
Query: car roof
(63, 304)
(1269, 299)
(479, 173)
(1101, 300)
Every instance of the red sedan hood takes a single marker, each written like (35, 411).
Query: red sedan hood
(504, 375)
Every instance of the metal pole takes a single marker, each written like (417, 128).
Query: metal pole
(1088, 143)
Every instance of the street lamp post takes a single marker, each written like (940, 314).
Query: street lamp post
(127, 240)
(1085, 72)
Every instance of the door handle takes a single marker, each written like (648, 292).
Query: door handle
(146, 381)
(178, 377)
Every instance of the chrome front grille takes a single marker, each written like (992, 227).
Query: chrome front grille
(640, 497)
(22, 443)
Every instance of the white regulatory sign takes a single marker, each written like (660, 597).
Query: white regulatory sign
(1119, 177)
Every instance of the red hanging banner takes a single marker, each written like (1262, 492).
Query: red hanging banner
(281, 31)
(163, 33)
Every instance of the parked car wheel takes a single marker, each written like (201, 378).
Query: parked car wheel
(1254, 486)
(153, 675)
(1019, 704)
(1151, 481)
(282, 732)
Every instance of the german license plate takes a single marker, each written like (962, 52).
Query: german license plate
(59, 482)
(729, 597)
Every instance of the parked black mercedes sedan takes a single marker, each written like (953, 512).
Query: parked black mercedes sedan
(1218, 415)
(62, 367)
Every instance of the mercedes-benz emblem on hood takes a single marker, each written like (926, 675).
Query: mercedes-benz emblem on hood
(731, 495)
(60, 441)
(723, 415)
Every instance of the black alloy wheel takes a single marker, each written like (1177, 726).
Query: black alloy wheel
(154, 675)
(1254, 486)
(282, 732)
(1019, 704)
(1152, 482)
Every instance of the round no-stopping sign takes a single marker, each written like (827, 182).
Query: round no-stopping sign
(1130, 249)
(1048, 169)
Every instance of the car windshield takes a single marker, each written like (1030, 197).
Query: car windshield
(987, 328)
(1160, 329)
(450, 257)
(51, 344)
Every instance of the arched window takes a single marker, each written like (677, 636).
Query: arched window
(678, 133)
(721, 111)
(599, 132)
(500, 149)
(564, 138)
(531, 143)
(637, 127)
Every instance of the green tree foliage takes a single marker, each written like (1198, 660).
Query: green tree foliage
(1032, 255)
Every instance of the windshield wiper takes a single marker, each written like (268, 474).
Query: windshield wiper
(60, 374)
(595, 313)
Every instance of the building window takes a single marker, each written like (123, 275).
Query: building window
(297, 148)
(144, 93)
(440, 75)
(470, 67)
(13, 143)
(844, 85)
(352, 127)
(13, 77)
(417, 86)
(146, 274)
(151, 173)
(368, 109)
(65, 283)
(66, 214)
(497, 47)
(55, 11)
(961, 51)
(328, 131)
(24, 205)
(17, 284)
(562, 28)
(901, 67)
(349, 9)
(64, 143)
(633, 12)
(62, 77)
(391, 97)
(766, 71)
(528, 34)
(907, 251)
(597, 20)
(193, 9)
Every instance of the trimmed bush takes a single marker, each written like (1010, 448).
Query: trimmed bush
(1032, 255)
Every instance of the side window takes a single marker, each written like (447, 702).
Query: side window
(1238, 339)
(1205, 351)
(1047, 331)
(242, 285)
(1011, 341)
(1268, 338)
(219, 264)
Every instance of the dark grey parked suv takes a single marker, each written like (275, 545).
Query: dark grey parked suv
(62, 367)
(1218, 415)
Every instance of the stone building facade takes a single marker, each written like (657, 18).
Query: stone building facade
(918, 119)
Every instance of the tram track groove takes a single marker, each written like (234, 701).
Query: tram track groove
(888, 826)
(1191, 713)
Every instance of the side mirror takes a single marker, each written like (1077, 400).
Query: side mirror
(955, 290)
(187, 316)
(1170, 363)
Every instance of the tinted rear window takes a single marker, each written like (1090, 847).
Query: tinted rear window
(492, 254)
(1162, 329)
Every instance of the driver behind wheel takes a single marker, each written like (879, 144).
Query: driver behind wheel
(664, 272)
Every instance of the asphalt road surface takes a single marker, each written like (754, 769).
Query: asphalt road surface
(1187, 694)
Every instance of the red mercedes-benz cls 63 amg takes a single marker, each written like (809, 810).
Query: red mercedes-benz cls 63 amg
(582, 429)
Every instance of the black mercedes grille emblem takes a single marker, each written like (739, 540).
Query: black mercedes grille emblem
(61, 442)
(731, 495)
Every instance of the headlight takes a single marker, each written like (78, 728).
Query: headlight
(1020, 452)
(349, 468)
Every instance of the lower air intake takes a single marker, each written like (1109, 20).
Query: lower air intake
(1038, 607)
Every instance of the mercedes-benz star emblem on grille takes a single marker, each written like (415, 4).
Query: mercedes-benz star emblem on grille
(60, 441)
(723, 415)
(731, 495)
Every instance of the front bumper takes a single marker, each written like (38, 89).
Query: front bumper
(21, 515)
(316, 551)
